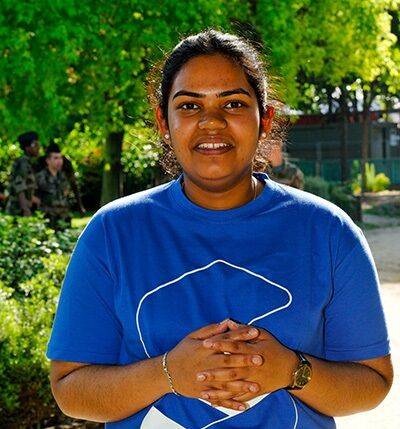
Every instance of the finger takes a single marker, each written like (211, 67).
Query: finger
(243, 333)
(216, 395)
(209, 330)
(245, 397)
(233, 324)
(230, 403)
(222, 374)
(230, 346)
(221, 360)
(238, 388)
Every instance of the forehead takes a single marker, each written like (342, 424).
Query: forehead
(209, 74)
(55, 155)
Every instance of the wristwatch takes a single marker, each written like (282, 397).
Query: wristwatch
(302, 374)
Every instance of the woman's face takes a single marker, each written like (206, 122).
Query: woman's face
(213, 121)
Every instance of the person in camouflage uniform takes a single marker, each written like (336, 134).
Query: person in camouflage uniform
(22, 183)
(283, 171)
(53, 188)
(69, 172)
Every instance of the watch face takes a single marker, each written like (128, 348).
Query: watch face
(302, 376)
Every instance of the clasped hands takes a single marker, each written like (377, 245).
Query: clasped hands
(228, 364)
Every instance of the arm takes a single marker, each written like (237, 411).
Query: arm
(106, 393)
(336, 388)
(343, 388)
(24, 204)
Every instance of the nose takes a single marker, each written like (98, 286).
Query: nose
(212, 121)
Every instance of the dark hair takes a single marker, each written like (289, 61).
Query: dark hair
(212, 42)
(27, 138)
(52, 148)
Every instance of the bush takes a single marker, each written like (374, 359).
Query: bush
(24, 242)
(25, 324)
(33, 260)
(341, 195)
(374, 182)
(317, 186)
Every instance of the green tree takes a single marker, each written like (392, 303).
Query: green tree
(73, 65)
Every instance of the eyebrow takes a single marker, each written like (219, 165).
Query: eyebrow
(221, 94)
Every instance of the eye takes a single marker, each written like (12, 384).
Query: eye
(188, 106)
(235, 104)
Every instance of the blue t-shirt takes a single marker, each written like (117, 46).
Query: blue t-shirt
(152, 267)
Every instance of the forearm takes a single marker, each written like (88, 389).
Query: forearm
(343, 388)
(110, 393)
(23, 202)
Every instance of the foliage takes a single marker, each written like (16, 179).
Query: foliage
(33, 259)
(338, 194)
(61, 64)
(317, 186)
(374, 182)
(25, 324)
(23, 243)
(9, 152)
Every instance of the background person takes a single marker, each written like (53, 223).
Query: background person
(53, 188)
(22, 182)
(68, 170)
(153, 272)
(283, 171)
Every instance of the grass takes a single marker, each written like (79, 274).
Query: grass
(80, 222)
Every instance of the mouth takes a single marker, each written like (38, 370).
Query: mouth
(213, 147)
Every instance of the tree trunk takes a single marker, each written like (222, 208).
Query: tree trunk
(111, 183)
(344, 148)
(364, 147)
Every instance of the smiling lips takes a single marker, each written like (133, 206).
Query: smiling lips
(213, 147)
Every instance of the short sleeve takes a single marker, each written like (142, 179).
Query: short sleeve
(355, 327)
(86, 328)
(20, 173)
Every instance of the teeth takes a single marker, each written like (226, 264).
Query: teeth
(212, 145)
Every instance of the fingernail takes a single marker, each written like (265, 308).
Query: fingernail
(256, 360)
(242, 407)
(205, 395)
(201, 377)
(207, 343)
(253, 388)
(253, 331)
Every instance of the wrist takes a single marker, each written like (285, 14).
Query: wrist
(158, 369)
(167, 373)
(291, 363)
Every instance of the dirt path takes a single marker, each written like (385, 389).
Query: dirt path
(385, 245)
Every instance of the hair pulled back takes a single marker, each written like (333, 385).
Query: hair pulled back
(212, 42)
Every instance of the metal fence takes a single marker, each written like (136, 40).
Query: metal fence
(331, 169)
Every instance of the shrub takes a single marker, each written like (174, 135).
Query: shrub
(317, 186)
(25, 324)
(341, 195)
(374, 182)
(24, 242)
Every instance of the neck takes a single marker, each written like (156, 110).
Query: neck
(225, 197)
(53, 172)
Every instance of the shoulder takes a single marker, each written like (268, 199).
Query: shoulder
(22, 162)
(42, 174)
(133, 207)
(306, 207)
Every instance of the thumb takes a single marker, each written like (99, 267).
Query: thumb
(210, 330)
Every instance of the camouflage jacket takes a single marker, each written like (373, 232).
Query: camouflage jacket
(288, 174)
(53, 192)
(22, 179)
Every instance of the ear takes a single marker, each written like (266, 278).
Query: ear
(266, 120)
(161, 122)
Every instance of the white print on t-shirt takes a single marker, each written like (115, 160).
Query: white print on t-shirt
(156, 419)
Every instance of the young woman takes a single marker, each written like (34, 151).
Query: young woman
(136, 340)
